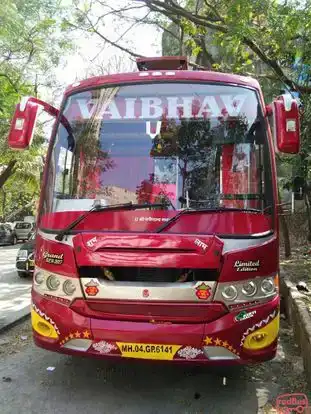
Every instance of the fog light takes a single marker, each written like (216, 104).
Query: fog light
(249, 289)
(52, 282)
(267, 286)
(42, 327)
(259, 337)
(229, 292)
(69, 287)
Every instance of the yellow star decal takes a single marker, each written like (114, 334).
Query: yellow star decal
(225, 344)
(208, 340)
(217, 342)
(77, 334)
(71, 335)
(86, 334)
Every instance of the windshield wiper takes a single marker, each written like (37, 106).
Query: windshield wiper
(194, 210)
(125, 206)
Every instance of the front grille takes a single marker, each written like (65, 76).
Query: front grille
(150, 274)
(21, 265)
(156, 311)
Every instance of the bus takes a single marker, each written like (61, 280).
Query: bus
(157, 231)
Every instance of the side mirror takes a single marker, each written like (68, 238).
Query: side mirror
(23, 124)
(24, 121)
(284, 114)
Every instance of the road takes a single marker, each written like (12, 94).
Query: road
(14, 291)
(130, 387)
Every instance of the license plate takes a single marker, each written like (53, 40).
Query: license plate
(148, 351)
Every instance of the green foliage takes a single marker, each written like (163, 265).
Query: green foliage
(31, 45)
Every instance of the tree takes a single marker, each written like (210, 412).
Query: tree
(267, 39)
(268, 31)
(31, 44)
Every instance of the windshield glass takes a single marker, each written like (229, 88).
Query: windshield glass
(194, 145)
(23, 226)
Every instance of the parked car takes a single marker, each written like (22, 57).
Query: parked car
(23, 230)
(7, 235)
(25, 263)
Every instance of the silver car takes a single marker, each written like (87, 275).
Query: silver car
(23, 230)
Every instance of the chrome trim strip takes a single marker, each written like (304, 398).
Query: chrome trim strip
(78, 344)
(186, 292)
(51, 236)
(219, 353)
(229, 244)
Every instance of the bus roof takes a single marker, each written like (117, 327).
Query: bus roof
(153, 76)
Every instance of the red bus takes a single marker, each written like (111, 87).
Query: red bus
(157, 231)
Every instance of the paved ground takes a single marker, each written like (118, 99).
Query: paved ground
(14, 291)
(97, 386)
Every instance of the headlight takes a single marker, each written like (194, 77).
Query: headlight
(229, 292)
(62, 288)
(22, 254)
(39, 277)
(52, 282)
(257, 289)
(267, 286)
(249, 289)
(68, 287)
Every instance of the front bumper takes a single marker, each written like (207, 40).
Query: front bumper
(27, 266)
(226, 340)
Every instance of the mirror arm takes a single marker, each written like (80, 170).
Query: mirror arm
(269, 110)
(51, 110)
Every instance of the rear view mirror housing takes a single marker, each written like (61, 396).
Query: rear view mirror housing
(284, 120)
(23, 124)
(24, 121)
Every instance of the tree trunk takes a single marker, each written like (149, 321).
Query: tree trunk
(284, 230)
(6, 174)
(3, 204)
(307, 203)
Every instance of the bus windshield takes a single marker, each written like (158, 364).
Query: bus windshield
(193, 145)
